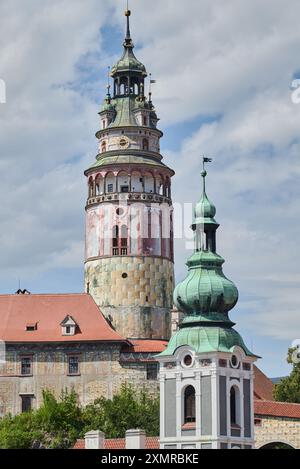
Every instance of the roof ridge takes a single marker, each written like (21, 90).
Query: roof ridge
(14, 295)
(277, 402)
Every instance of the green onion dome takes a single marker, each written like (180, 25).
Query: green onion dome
(204, 209)
(128, 63)
(205, 290)
(107, 106)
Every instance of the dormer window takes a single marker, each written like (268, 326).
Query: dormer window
(68, 326)
(31, 327)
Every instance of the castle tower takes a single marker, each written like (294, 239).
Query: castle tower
(206, 372)
(129, 226)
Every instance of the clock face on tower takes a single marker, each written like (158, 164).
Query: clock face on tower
(123, 142)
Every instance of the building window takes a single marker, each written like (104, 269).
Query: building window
(234, 405)
(124, 240)
(115, 240)
(110, 187)
(26, 403)
(124, 189)
(145, 120)
(26, 366)
(189, 405)
(73, 365)
(103, 147)
(152, 371)
(145, 144)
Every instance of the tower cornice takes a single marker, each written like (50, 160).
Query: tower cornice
(129, 128)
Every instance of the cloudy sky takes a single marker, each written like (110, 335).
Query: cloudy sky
(224, 72)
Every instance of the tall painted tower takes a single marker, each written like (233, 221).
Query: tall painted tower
(206, 372)
(129, 226)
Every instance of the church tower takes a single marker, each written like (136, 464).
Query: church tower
(206, 372)
(129, 226)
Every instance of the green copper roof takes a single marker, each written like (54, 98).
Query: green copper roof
(205, 289)
(205, 339)
(128, 63)
(124, 112)
(205, 296)
(124, 108)
(205, 210)
(127, 159)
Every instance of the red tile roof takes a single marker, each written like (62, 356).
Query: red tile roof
(277, 409)
(145, 346)
(263, 386)
(152, 442)
(48, 311)
(80, 444)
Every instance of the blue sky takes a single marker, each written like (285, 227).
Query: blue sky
(223, 88)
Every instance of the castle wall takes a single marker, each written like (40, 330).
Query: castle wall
(135, 292)
(102, 373)
(277, 429)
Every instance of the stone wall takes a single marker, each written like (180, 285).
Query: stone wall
(101, 374)
(135, 292)
(277, 429)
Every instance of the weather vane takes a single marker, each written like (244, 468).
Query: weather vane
(206, 160)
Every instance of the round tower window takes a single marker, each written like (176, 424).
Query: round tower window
(119, 211)
(188, 360)
(234, 361)
(124, 275)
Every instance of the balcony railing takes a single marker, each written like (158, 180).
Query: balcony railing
(130, 197)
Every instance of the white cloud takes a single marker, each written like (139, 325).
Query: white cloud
(232, 59)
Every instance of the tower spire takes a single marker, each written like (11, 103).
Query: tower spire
(204, 172)
(128, 41)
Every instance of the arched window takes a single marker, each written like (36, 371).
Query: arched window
(145, 120)
(91, 188)
(115, 241)
(124, 240)
(145, 144)
(103, 147)
(189, 405)
(234, 406)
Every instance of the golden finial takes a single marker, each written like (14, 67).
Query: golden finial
(127, 12)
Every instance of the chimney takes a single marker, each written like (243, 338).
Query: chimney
(94, 440)
(135, 439)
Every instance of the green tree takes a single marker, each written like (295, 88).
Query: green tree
(288, 389)
(128, 409)
(58, 423)
(17, 432)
